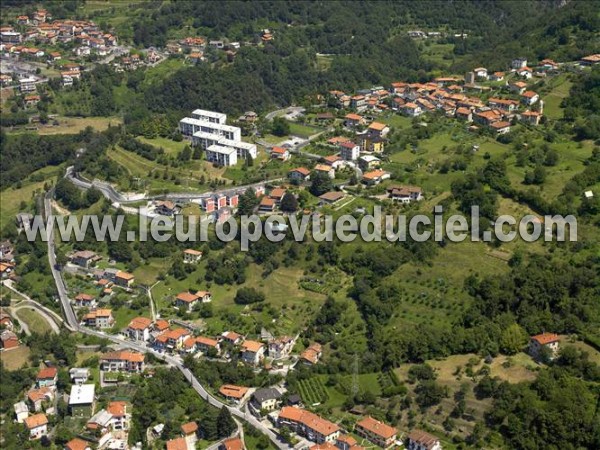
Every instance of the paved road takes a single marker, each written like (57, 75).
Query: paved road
(284, 111)
(73, 324)
(118, 197)
(53, 319)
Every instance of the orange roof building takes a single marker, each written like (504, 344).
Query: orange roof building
(377, 432)
(308, 424)
(233, 392)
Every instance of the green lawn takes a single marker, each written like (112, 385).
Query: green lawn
(303, 131)
(171, 147)
(560, 87)
(34, 321)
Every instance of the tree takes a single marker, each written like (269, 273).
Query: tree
(320, 184)
(280, 127)
(185, 154)
(513, 339)
(225, 423)
(248, 295)
(248, 201)
(289, 202)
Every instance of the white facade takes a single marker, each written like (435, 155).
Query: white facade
(188, 126)
(350, 153)
(209, 116)
(223, 156)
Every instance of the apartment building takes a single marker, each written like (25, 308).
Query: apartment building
(223, 156)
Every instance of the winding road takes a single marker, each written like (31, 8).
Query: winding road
(72, 324)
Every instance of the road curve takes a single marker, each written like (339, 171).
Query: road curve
(72, 324)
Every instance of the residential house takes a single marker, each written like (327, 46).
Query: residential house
(177, 444)
(501, 127)
(85, 301)
(233, 393)
(79, 375)
(77, 444)
(308, 424)
(465, 114)
(47, 377)
(266, 399)
(280, 153)
(368, 162)
(328, 170)
(277, 194)
(518, 63)
(188, 300)
(525, 72)
(190, 433)
(548, 64)
(405, 194)
(38, 397)
(312, 354)
(503, 104)
(346, 442)
(171, 339)
(329, 198)
(6, 269)
(166, 208)
(372, 143)
(487, 117)
(412, 109)
(191, 256)
(375, 177)
(232, 444)
(378, 129)
(232, 337)
(203, 344)
(420, 440)
(31, 100)
(358, 102)
(9, 340)
(518, 87)
(281, 347)
(139, 329)
(122, 361)
(349, 151)
(82, 400)
(124, 279)
(529, 97)
(335, 161)
(121, 414)
(5, 321)
(37, 425)
(545, 342)
(299, 174)
(590, 60)
(21, 411)
(253, 352)
(497, 76)
(353, 120)
(266, 204)
(100, 422)
(84, 258)
(531, 117)
(376, 432)
(99, 318)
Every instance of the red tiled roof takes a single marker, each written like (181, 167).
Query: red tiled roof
(230, 390)
(47, 373)
(545, 338)
(36, 421)
(189, 428)
(233, 444)
(177, 444)
(376, 427)
(140, 323)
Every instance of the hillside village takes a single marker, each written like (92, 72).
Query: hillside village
(294, 345)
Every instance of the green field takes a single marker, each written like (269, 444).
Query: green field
(34, 321)
(313, 391)
(559, 89)
(303, 131)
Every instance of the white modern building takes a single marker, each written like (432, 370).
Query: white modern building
(223, 156)
(208, 128)
(209, 116)
(188, 126)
